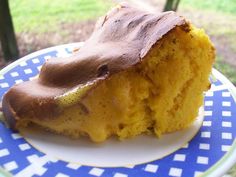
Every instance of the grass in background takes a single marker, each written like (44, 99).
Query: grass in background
(216, 16)
(224, 6)
(45, 15)
(226, 69)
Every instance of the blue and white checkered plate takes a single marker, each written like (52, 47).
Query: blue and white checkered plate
(209, 150)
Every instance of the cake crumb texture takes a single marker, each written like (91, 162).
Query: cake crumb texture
(161, 94)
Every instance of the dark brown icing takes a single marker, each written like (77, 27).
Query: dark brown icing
(120, 40)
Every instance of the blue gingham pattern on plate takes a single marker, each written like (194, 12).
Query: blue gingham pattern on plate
(213, 140)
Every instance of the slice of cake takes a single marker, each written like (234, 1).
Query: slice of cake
(137, 73)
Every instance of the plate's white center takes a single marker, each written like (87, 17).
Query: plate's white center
(112, 153)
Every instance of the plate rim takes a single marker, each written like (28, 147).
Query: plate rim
(36, 53)
(229, 159)
(225, 162)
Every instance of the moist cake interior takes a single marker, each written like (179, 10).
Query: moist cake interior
(161, 94)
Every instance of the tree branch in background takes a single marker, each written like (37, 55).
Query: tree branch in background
(171, 5)
(7, 35)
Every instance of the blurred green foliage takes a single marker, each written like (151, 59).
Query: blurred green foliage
(224, 6)
(45, 15)
(225, 69)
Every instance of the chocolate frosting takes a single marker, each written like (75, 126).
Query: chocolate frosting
(120, 40)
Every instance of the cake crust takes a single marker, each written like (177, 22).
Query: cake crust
(120, 40)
